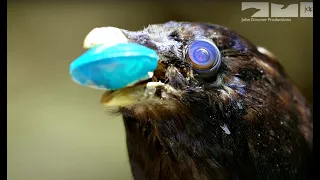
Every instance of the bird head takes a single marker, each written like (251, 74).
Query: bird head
(199, 64)
(214, 95)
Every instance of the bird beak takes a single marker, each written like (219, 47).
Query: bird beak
(122, 97)
(109, 36)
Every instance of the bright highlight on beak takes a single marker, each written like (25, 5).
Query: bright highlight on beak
(108, 36)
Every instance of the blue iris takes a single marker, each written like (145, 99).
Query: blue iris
(204, 56)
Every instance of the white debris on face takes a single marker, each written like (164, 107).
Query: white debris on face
(215, 35)
(160, 38)
(228, 89)
(239, 105)
(151, 88)
(225, 128)
(150, 74)
(223, 94)
(155, 84)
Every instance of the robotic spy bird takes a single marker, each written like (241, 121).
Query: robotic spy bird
(199, 102)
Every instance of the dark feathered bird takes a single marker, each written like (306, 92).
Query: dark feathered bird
(243, 121)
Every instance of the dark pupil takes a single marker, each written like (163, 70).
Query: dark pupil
(201, 55)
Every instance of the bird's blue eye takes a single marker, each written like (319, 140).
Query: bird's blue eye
(204, 56)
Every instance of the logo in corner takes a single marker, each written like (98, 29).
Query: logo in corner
(276, 12)
(306, 9)
(263, 8)
(279, 10)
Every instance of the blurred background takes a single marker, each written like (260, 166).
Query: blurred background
(57, 130)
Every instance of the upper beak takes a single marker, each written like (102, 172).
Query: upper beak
(104, 35)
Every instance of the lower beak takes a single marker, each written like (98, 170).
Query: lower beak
(123, 97)
(130, 95)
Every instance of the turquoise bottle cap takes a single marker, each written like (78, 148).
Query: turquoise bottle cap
(115, 67)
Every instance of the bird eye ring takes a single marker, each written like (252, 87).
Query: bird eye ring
(205, 57)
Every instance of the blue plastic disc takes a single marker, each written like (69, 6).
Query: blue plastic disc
(115, 67)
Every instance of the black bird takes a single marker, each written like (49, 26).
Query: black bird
(216, 108)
